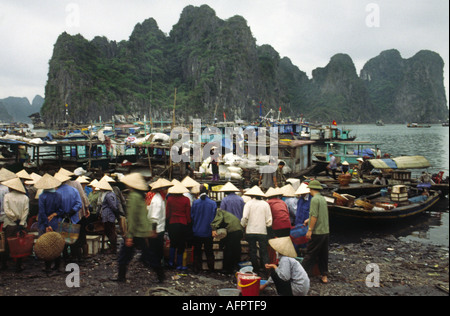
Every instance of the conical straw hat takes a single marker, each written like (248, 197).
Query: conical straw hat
(195, 189)
(15, 184)
(82, 179)
(162, 183)
(283, 246)
(107, 178)
(47, 182)
(5, 175)
(93, 183)
(255, 191)
(302, 189)
(23, 174)
(62, 177)
(103, 184)
(66, 172)
(188, 182)
(178, 189)
(35, 178)
(229, 187)
(136, 181)
(288, 190)
(273, 192)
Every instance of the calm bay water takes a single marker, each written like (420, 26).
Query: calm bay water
(397, 139)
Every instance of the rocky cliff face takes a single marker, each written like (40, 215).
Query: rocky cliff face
(216, 64)
(406, 90)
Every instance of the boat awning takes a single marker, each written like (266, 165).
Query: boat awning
(404, 162)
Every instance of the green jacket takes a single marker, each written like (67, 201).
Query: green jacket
(319, 209)
(226, 220)
(138, 224)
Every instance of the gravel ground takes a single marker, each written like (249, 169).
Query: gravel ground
(405, 269)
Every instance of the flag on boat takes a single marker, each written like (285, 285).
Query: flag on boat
(334, 123)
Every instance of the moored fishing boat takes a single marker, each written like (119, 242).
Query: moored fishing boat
(381, 206)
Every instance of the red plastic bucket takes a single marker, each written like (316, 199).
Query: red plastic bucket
(248, 284)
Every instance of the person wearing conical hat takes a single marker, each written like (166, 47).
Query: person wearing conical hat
(5, 175)
(256, 218)
(291, 201)
(203, 213)
(281, 222)
(289, 277)
(16, 207)
(232, 202)
(157, 217)
(178, 215)
(232, 242)
(318, 232)
(72, 205)
(109, 212)
(24, 176)
(138, 225)
(304, 201)
(50, 211)
(190, 184)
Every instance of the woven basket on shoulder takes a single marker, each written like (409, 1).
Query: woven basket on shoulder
(49, 246)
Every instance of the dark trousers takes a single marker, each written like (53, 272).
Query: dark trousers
(149, 255)
(156, 250)
(126, 254)
(317, 252)
(284, 288)
(232, 250)
(110, 232)
(80, 245)
(333, 171)
(207, 244)
(178, 234)
(255, 240)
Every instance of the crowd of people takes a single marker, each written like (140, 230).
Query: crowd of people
(180, 213)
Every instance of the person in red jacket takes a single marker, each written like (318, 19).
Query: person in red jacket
(281, 222)
(178, 217)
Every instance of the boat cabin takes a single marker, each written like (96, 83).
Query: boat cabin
(350, 151)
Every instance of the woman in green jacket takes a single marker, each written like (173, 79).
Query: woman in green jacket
(232, 242)
(138, 228)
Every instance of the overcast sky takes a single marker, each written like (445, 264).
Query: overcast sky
(309, 32)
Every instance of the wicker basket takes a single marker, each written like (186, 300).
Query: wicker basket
(49, 246)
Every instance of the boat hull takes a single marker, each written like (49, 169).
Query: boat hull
(400, 212)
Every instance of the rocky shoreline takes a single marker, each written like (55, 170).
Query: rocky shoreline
(405, 269)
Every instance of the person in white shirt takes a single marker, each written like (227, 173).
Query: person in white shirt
(256, 217)
(16, 208)
(157, 217)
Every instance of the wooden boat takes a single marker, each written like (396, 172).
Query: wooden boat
(381, 208)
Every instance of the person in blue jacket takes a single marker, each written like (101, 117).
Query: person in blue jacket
(50, 212)
(304, 201)
(71, 204)
(203, 212)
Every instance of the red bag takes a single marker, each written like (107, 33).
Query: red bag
(21, 246)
